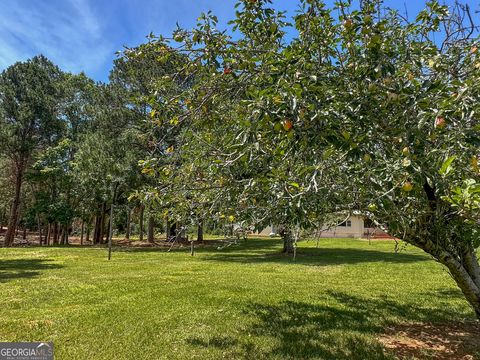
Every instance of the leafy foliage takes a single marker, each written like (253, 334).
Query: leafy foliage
(361, 111)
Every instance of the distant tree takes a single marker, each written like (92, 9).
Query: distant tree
(106, 161)
(6, 190)
(135, 76)
(29, 120)
(57, 200)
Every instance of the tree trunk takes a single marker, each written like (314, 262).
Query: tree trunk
(466, 279)
(110, 231)
(61, 237)
(66, 234)
(12, 222)
(471, 264)
(129, 219)
(95, 229)
(55, 233)
(108, 223)
(82, 231)
(151, 229)
(3, 219)
(98, 229)
(181, 232)
(49, 233)
(463, 267)
(102, 223)
(172, 229)
(167, 228)
(39, 225)
(24, 235)
(200, 231)
(142, 209)
(287, 238)
(88, 231)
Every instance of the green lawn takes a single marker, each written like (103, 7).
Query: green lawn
(245, 301)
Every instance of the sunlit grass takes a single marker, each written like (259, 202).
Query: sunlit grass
(244, 301)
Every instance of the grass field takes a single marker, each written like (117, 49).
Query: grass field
(245, 301)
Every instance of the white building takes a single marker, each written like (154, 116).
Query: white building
(353, 227)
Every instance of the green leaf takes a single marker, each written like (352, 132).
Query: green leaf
(447, 165)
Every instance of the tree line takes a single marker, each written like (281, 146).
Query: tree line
(70, 148)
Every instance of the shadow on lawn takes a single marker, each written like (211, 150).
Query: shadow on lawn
(24, 268)
(268, 251)
(208, 246)
(318, 256)
(342, 327)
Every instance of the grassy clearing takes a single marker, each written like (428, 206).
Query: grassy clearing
(246, 301)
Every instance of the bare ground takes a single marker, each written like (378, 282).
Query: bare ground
(455, 341)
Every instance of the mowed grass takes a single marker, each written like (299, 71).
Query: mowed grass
(243, 302)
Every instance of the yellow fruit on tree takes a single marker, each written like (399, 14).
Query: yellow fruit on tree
(407, 186)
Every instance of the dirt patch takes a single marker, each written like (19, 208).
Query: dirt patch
(456, 341)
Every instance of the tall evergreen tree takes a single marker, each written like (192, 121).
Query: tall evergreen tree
(29, 120)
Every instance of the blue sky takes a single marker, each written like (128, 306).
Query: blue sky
(83, 35)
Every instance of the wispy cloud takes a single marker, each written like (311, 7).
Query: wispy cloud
(69, 32)
(84, 34)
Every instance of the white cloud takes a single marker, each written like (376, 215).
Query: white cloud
(68, 32)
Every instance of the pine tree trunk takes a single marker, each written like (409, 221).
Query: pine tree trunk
(96, 226)
(151, 229)
(66, 235)
(108, 222)
(98, 229)
(129, 219)
(102, 223)
(88, 231)
(142, 210)
(13, 220)
(49, 232)
(3, 219)
(110, 231)
(24, 235)
(82, 231)
(39, 225)
(95, 229)
(55, 233)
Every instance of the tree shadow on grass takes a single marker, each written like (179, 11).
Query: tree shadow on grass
(252, 251)
(24, 268)
(319, 257)
(208, 246)
(341, 326)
